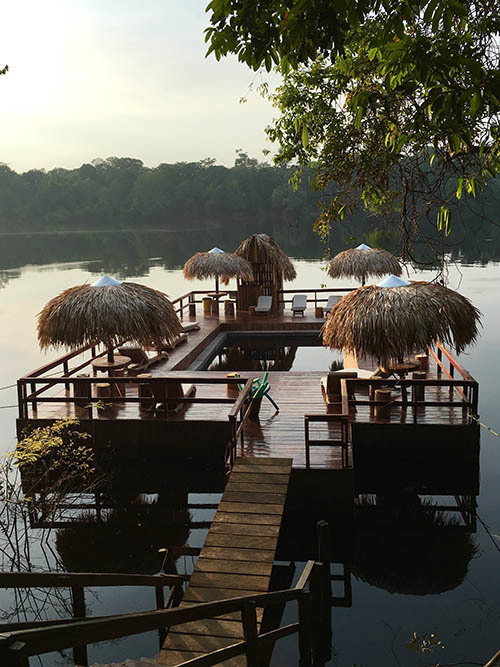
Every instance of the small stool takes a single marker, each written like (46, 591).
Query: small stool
(423, 360)
(229, 308)
(82, 391)
(383, 394)
(251, 310)
(145, 392)
(318, 311)
(207, 305)
(232, 389)
(419, 390)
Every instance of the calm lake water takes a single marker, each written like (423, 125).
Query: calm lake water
(375, 630)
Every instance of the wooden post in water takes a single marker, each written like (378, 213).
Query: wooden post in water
(79, 611)
(304, 613)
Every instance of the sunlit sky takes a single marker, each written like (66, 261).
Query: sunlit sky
(125, 78)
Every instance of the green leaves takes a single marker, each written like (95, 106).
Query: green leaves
(444, 219)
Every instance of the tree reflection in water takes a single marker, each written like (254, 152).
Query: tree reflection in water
(410, 547)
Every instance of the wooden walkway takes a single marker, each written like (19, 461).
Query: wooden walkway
(236, 559)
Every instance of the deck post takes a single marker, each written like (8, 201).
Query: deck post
(249, 619)
(323, 533)
(79, 611)
(304, 613)
(160, 604)
(192, 305)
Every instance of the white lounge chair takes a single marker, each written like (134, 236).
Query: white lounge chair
(299, 304)
(332, 300)
(264, 304)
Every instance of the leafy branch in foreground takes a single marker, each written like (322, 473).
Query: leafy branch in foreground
(396, 103)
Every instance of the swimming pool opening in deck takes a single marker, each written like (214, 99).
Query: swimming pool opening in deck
(268, 351)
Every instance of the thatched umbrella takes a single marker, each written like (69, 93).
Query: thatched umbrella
(217, 264)
(108, 312)
(390, 323)
(362, 262)
(262, 249)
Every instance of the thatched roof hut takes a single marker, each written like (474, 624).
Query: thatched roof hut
(270, 267)
(219, 265)
(263, 249)
(390, 323)
(362, 262)
(108, 312)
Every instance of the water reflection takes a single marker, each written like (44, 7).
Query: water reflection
(125, 539)
(410, 546)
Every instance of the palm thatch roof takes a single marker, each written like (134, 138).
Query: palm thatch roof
(362, 262)
(88, 315)
(262, 249)
(224, 265)
(390, 323)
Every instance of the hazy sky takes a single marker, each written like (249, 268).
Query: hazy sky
(92, 78)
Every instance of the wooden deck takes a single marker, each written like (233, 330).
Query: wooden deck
(275, 434)
(237, 557)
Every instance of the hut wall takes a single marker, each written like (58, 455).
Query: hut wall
(267, 282)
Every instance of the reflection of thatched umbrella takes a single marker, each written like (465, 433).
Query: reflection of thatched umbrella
(390, 323)
(108, 312)
(412, 551)
(362, 262)
(262, 249)
(217, 264)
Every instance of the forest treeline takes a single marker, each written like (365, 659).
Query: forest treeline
(118, 193)
(228, 204)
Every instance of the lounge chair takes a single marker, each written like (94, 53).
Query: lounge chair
(332, 300)
(299, 304)
(190, 326)
(264, 304)
(174, 390)
(331, 386)
(141, 359)
(181, 338)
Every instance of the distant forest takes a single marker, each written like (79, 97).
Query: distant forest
(121, 193)
(227, 203)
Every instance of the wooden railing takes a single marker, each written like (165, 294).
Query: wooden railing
(187, 302)
(449, 369)
(320, 295)
(17, 646)
(341, 442)
(413, 395)
(77, 582)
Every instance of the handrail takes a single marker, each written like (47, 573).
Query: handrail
(242, 397)
(25, 397)
(69, 579)
(453, 361)
(18, 645)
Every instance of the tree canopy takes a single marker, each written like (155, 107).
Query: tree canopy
(395, 102)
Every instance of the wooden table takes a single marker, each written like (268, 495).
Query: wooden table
(215, 304)
(119, 363)
(403, 368)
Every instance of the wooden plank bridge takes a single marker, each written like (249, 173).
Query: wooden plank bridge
(236, 559)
